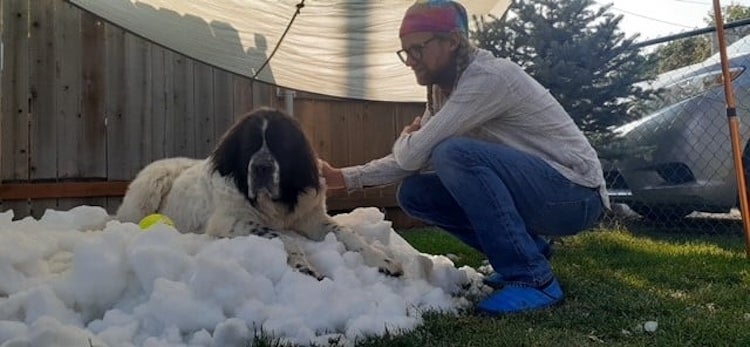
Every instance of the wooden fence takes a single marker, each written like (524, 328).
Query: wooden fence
(85, 105)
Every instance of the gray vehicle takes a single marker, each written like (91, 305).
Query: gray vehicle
(678, 158)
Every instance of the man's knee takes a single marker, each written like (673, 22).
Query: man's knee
(407, 193)
(450, 150)
(420, 193)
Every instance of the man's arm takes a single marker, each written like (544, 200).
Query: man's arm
(375, 173)
(475, 101)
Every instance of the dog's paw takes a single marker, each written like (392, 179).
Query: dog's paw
(220, 234)
(228, 233)
(307, 270)
(390, 267)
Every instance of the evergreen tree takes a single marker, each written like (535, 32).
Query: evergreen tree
(683, 52)
(731, 13)
(696, 49)
(578, 52)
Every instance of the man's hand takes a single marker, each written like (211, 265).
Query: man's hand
(414, 126)
(333, 176)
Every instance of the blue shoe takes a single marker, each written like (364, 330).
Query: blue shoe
(494, 280)
(515, 299)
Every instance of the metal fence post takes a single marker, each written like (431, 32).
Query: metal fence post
(733, 124)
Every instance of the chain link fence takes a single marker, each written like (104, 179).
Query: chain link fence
(673, 168)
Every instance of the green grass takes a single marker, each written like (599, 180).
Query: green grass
(696, 287)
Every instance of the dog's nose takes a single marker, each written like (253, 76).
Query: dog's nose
(263, 175)
(263, 169)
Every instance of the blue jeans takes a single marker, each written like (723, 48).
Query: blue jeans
(498, 200)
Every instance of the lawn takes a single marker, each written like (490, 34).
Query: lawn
(696, 287)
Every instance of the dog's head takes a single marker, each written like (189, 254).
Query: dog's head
(266, 152)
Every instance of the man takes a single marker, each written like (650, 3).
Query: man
(494, 160)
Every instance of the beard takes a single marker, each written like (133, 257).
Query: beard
(445, 77)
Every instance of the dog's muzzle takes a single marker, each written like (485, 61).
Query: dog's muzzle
(263, 175)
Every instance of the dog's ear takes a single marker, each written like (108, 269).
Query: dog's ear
(231, 156)
(298, 166)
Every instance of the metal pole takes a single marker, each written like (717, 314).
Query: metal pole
(289, 101)
(734, 127)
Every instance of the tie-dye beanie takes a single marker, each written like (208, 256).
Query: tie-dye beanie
(437, 16)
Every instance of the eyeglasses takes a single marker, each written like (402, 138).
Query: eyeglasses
(414, 51)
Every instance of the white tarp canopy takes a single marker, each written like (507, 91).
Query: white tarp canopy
(334, 47)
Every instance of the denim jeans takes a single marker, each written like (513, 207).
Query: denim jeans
(499, 200)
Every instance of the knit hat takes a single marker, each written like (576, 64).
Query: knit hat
(435, 16)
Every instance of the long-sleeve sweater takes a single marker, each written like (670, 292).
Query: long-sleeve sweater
(495, 101)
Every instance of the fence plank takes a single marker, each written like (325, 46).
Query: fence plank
(137, 104)
(115, 96)
(380, 124)
(355, 133)
(340, 140)
(92, 144)
(76, 130)
(321, 127)
(68, 92)
(223, 104)
(243, 96)
(114, 107)
(169, 104)
(314, 117)
(156, 132)
(47, 24)
(14, 127)
(183, 126)
(15, 91)
(204, 109)
(264, 95)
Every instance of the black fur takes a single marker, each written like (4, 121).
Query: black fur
(298, 169)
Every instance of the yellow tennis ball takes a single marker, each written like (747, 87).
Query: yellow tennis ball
(153, 219)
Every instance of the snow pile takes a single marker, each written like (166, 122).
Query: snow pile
(78, 278)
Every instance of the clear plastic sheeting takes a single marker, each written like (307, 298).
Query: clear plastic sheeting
(334, 47)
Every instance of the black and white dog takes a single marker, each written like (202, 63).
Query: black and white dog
(262, 179)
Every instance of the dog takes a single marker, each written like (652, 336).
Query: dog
(261, 179)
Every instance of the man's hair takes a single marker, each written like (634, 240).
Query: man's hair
(463, 58)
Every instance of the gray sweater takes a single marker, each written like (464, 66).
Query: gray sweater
(494, 101)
